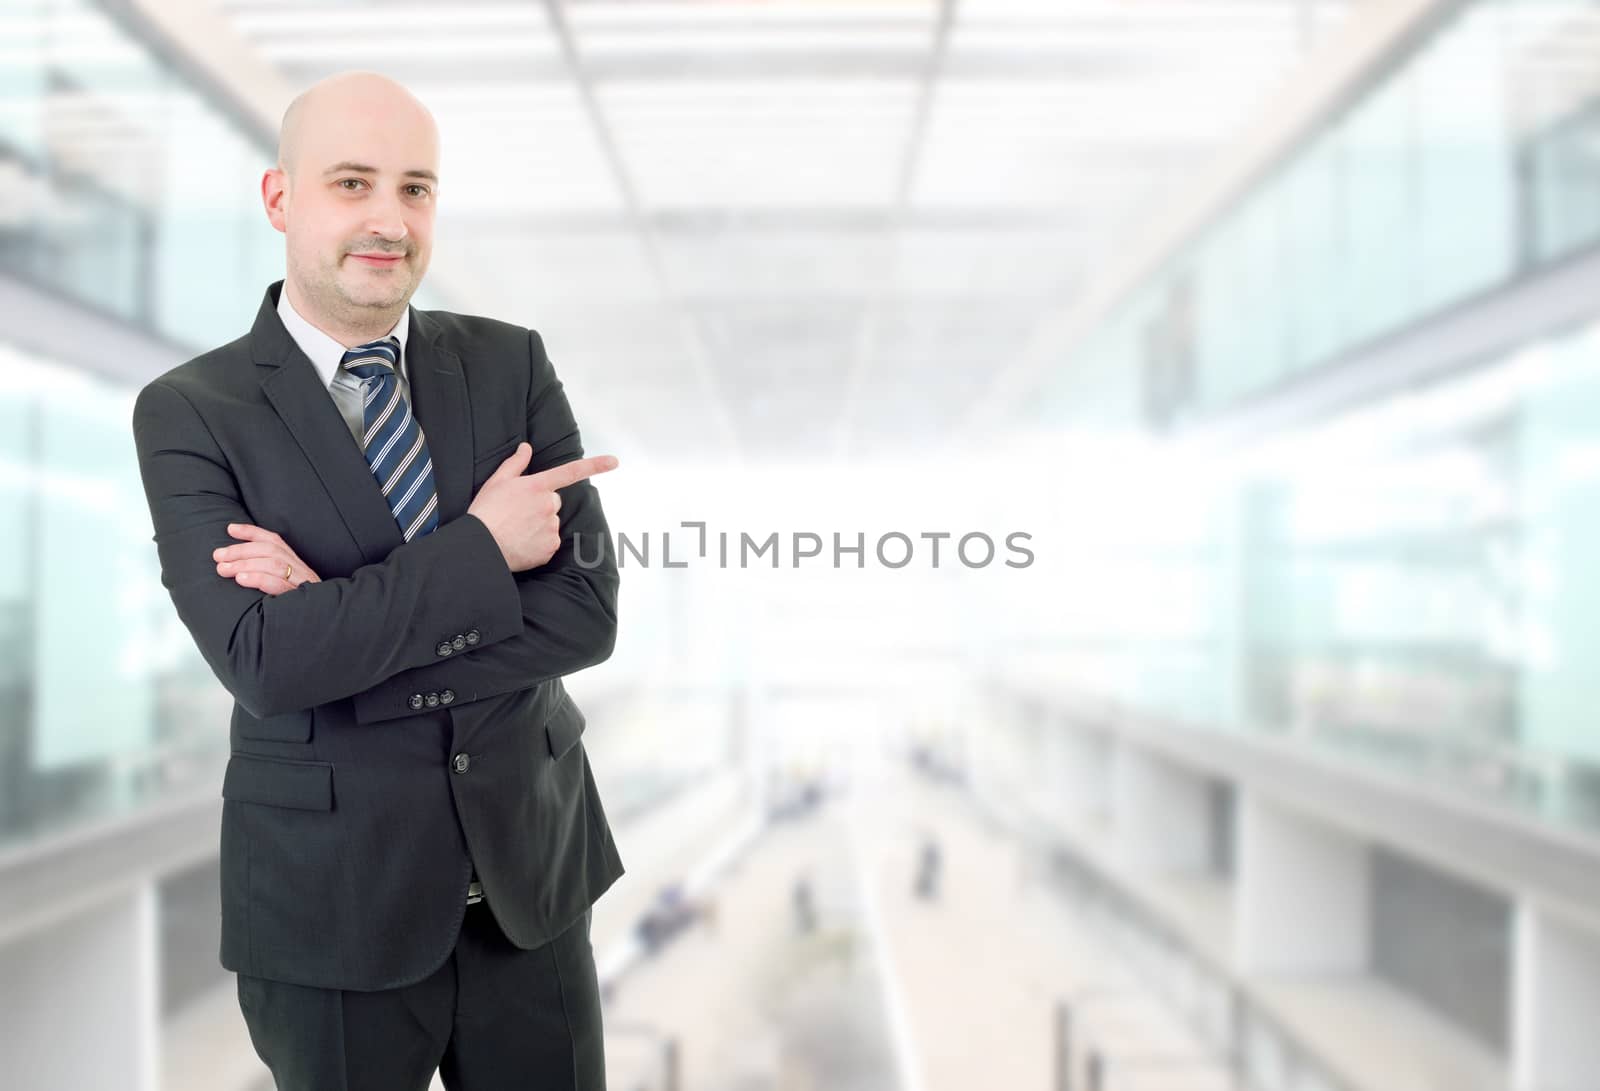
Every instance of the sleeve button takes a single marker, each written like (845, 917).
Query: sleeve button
(433, 700)
(446, 696)
(472, 636)
(445, 647)
(459, 642)
(415, 700)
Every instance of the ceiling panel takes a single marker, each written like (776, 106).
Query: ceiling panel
(781, 228)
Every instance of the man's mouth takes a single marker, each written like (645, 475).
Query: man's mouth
(379, 259)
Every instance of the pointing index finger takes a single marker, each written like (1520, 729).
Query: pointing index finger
(570, 473)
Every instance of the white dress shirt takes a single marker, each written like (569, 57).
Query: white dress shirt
(326, 353)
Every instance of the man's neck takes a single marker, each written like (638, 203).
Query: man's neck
(347, 335)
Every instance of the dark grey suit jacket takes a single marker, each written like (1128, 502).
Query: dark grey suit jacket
(348, 813)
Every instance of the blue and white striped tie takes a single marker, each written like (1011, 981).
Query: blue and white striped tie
(392, 438)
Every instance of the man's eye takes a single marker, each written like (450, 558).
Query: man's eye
(422, 191)
(342, 181)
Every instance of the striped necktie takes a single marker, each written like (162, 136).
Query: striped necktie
(392, 438)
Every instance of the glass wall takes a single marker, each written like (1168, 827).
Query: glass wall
(108, 706)
(125, 181)
(1471, 162)
(125, 189)
(1411, 583)
(125, 186)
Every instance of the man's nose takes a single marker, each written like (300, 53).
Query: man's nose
(386, 220)
(391, 227)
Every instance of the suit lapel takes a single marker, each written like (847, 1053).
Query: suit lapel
(439, 399)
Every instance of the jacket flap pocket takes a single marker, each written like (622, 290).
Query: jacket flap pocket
(564, 726)
(304, 785)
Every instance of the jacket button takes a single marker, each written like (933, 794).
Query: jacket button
(446, 696)
(461, 763)
(444, 648)
(472, 636)
(459, 642)
(433, 700)
(415, 700)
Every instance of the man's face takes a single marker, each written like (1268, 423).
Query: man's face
(358, 208)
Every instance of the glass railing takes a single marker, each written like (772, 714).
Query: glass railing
(1237, 1037)
(1410, 585)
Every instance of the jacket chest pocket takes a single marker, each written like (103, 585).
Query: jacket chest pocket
(485, 464)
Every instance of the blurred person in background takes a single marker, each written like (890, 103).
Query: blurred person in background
(369, 518)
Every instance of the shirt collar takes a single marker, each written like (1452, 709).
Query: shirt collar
(324, 351)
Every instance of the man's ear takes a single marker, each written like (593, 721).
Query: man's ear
(275, 196)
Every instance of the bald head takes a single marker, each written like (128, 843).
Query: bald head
(355, 99)
(354, 193)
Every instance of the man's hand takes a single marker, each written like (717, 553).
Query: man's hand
(261, 560)
(521, 511)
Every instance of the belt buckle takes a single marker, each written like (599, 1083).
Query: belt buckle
(474, 892)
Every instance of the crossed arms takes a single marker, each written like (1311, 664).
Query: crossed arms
(372, 635)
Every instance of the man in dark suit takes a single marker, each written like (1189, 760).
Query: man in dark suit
(347, 523)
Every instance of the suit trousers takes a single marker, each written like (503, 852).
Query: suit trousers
(492, 1017)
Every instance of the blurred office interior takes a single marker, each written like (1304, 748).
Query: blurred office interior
(1273, 327)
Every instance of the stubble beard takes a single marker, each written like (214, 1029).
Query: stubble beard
(330, 292)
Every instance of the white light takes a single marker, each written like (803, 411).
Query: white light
(52, 382)
(778, 128)
(688, 14)
(1326, 450)
(1130, 40)
(531, 46)
(614, 43)
(521, 96)
(650, 92)
(747, 125)
(55, 25)
(1045, 12)
(392, 17)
